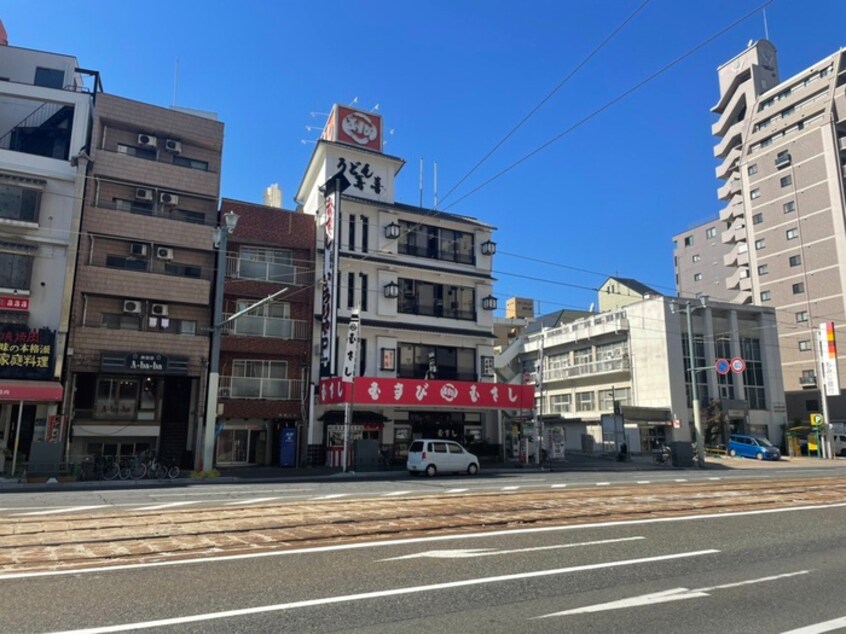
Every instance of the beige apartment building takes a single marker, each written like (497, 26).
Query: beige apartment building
(782, 145)
(139, 346)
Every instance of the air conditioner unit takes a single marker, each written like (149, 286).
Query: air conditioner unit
(164, 253)
(147, 140)
(137, 249)
(131, 306)
(159, 310)
(168, 199)
(142, 193)
(172, 145)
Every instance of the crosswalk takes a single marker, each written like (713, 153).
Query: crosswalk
(149, 506)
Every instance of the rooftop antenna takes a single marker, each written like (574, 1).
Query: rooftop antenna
(354, 101)
(175, 82)
(436, 186)
(375, 108)
(766, 28)
(421, 181)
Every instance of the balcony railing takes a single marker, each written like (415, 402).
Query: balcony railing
(274, 327)
(597, 367)
(258, 388)
(278, 273)
(436, 254)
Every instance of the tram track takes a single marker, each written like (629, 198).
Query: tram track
(114, 538)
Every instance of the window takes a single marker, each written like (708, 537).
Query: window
(19, 203)
(752, 169)
(711, 232)
(784, 181)
(561, 403)
(272, 319)
(15, 270)
(584, 401)
(812, 404)
(451, 364)
(436, 243)
(350, 290)
(753, 376)
(194, 164)
(116, 398)
(697, 277)
(688, 241)
(134, 206)
(436, 300)
(789, 207)
(182, 270)
(802, 316)
(755, 193)
(795, 260)
(799, 288)
(760, 243)
(805, 345)
(765, 296)
(365, 233)
(137, 151)
(696, 258)
(792, 234)
(270, 265)
(607, 398)
(363, 302)
(757, 219)
(120, 322)
(351, 236)
(49, 77)
(259, 378)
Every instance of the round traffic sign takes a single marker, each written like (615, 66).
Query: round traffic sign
(738, 365)
(722, 366)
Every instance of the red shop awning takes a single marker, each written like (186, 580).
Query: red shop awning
(12, 390)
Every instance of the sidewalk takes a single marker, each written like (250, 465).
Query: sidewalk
(574, 462)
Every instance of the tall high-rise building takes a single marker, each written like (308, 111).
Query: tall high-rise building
(273, 196)
(782, 145)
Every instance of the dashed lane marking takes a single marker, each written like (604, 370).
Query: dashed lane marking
(252, 501)
(67, 509)
(455, 490)
(169, 505)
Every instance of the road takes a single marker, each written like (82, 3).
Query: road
(640, 552)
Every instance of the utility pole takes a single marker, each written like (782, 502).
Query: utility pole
(694, 392)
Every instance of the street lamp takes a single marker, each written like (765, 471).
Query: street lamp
(221, 237)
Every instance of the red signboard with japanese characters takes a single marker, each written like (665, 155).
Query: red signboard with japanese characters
(353, 127)
(14, 303)
(428, 393)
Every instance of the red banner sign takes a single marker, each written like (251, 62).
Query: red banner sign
(14, 303)
(464, 394)
(353, 127)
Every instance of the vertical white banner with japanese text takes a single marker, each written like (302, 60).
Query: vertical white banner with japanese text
(351, 353)
(828, 357)
(329, 219)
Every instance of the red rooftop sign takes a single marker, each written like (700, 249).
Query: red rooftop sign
(353, 127)
(389, 392)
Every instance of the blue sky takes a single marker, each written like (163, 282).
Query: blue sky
(452, 78)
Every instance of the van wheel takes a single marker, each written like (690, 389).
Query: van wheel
(473, 469)
(760, 455)
(733, 453)
(431, 470)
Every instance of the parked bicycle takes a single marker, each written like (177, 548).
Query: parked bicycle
(662, 455)
(133, 468)
(99, 467)
(158, 470)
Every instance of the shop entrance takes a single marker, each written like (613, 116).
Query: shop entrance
(238, 446)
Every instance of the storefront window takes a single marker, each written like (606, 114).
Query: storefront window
(116, 398)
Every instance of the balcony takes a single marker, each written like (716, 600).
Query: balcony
(735, 232)
(738, 256)
(730, 162)
(259, 388)
(274, 327)
(606, 323)
(808, 381)
(730, 140)
(444, 255)
(729, 189)
(274, 272)
(743, 297)
(587, 369)
(782, 160)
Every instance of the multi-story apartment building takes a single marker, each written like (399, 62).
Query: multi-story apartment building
(782, 145)
(698, 259)
(265, 354)
(638, 356)
(139, 345)
(45, 114)
(421, 282)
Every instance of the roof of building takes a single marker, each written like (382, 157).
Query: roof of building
(554, 319)
(422, 211)
(637, 287)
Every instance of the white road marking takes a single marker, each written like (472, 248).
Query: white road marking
(644, 482)
(559, 486)
(715, 478)
(680, 480)
(455, 490)
(67, 509)
(169, 505)
(252, 501)
(396, 493)
(819, 628)
(510, 488)
(331, 496)
(279, 607)
(665, 596)
(464, 553)
(223, 490)
(416, 540)
(603, 484)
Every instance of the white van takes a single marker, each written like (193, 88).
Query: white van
(839, 445)
(432, 456)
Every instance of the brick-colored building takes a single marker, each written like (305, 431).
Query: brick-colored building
(139, 345)
(265, 354)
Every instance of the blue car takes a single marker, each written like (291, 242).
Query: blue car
(752, 447)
